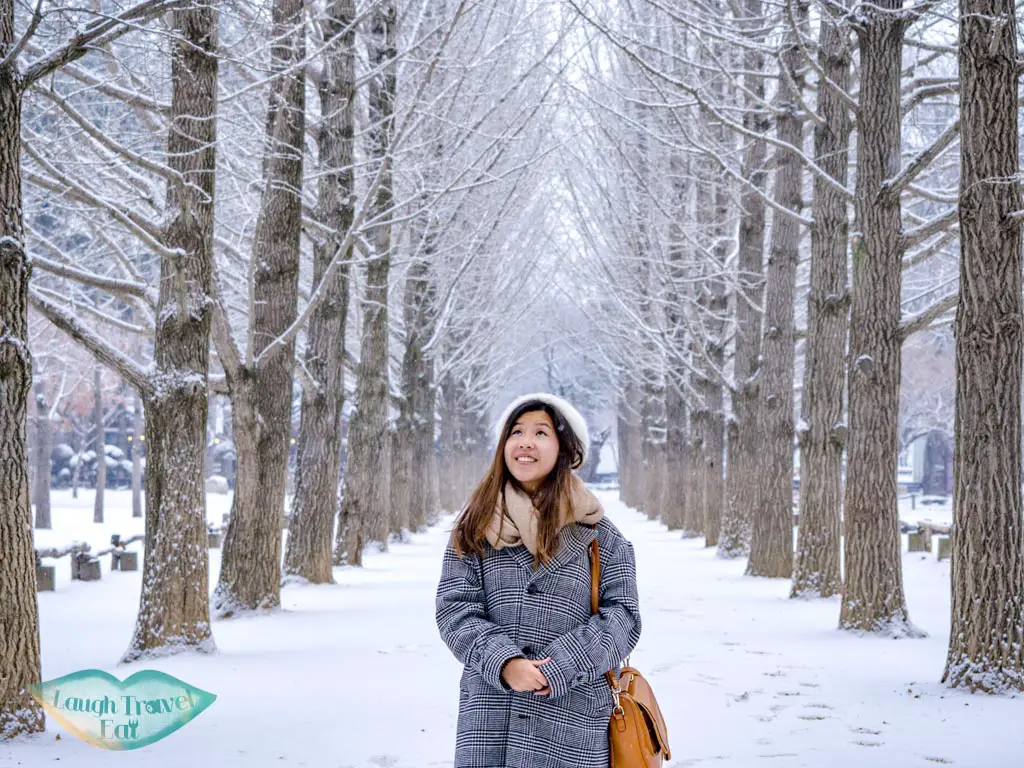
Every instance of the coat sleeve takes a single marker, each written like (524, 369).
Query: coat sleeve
(587, 652)
(462, 620)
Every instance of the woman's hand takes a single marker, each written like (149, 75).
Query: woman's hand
(524, 676)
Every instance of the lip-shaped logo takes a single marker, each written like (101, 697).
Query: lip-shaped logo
(98, 708)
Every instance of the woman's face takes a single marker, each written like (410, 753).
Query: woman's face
(531, 450)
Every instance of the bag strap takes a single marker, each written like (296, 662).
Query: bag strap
(595, 583)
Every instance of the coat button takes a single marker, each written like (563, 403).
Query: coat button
(532, 589)
(527, 650)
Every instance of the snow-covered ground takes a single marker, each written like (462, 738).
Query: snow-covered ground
(354, 674)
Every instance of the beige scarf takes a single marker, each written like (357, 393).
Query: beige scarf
(518, 525)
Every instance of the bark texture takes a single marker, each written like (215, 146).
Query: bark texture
(99, 444)
(174, 610)
(771, 544)
(741, 471)
(138, 429)
(365, 514)
(43, 449)
(873, 598)
(986, 648)
(823, 437)
(19, 627)
(250, 576)
(318, 460)
(416, 418)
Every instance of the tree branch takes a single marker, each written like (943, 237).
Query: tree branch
(12, 56)
(938, 224)
(100, 32)
(105, 353)
(110, 285)
(923, 319)
(900, 181)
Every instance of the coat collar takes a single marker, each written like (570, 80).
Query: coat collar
(573, 541)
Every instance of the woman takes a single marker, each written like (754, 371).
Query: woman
(513, 603)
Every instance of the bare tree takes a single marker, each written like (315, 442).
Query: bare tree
(261, 386)
(19, 633)
(873, 597)
(986, 640)
(99, 443)
(771, 547)
(43, 449)
(741, 472)
(138, 430)
(314, 507)
(365, 510)
(822, 434)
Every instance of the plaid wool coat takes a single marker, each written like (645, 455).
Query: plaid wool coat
(495, 608)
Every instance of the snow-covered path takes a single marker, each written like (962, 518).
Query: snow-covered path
(355, 675)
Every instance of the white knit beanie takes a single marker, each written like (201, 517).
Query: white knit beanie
(574, 418)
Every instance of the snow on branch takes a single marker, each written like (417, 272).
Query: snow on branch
(900, 181)
(100, 32)
(103, 351)
(12, 55)
(923, 319)
(940, 223)
(112, 285)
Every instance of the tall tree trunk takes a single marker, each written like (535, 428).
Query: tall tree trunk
(430, 448)
(250, 575)
(771, 546)
(624, 427)
(174, 609)
(99, 444)
(365, 513)
(314, 507)
(986, 641)
(19, 629)
(76, 446)
(633, 449)
(447, 441)
(648, 420)
(823, 434)
(417, 385)
(714, 438)
(43, 447)
(741, 471)
(694, 522)
(675, 488)
(873, 597)
(138, 429)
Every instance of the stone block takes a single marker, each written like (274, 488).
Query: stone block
(945, 547)
(919, 542)
(46, 578)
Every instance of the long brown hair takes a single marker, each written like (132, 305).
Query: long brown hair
(553, 500)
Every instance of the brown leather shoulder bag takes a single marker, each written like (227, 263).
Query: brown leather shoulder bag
(637, 734)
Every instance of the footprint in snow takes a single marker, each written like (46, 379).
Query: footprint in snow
(869, 743)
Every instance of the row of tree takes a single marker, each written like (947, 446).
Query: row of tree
(230, 199)
(718, 138)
